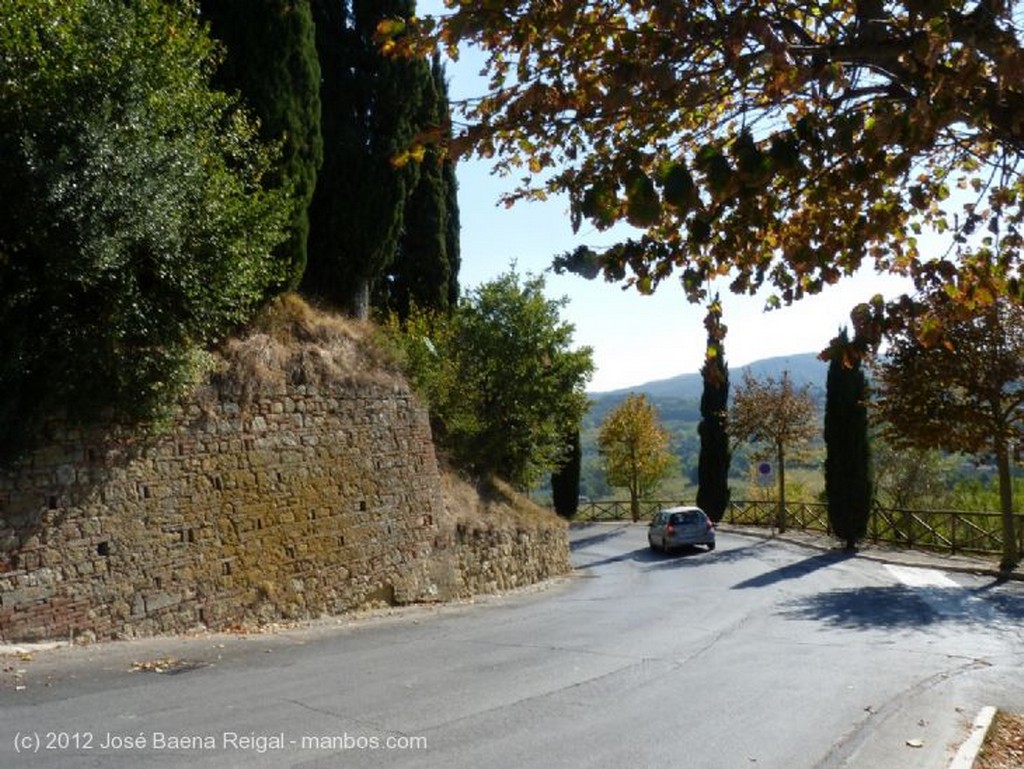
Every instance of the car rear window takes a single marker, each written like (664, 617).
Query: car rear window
(686, 518)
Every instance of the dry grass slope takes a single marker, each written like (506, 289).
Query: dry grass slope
(493, 502)
(292, 343)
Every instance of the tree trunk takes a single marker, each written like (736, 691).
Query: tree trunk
(361, 300)
(780, 515)
(1011, 556)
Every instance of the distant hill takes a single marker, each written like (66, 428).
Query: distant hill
(677, 401)
(802, 367)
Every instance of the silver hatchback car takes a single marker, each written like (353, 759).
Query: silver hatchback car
(680, 526)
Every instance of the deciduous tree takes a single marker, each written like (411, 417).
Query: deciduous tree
(635, 449)
(780, 143)
(959, 388)
(777, 414)
(505, 385)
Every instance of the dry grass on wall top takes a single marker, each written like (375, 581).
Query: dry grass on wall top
(290, 343)
(493, 504)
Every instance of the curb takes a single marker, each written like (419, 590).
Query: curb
(968, 752)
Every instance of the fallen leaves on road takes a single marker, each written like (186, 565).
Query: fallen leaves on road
(166, 665)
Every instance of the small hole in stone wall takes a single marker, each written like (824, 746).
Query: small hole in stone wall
(428, 520)
(259, 524)
(225, 568)
(341, 542)
(90, 456)
(53, 502)
(103, 548)
(362, 506)
(158, 583)
(312, 515)
(218, 484)
(191, 535)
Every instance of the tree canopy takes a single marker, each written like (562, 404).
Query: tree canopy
(781, 143)
(777, 414)
(136, 228)
(964, 394)
(504, 383)
(635, 449)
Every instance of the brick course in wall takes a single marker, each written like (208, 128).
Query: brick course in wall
(299, 505)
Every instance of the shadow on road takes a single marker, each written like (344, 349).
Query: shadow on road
(731, 555)
(795, 570)
(896, 607)
(686, 556)
(640, 555)
(602, 535)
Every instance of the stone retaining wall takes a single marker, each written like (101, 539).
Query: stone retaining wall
(299, 505)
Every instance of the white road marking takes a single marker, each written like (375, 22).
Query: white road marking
(913, 576)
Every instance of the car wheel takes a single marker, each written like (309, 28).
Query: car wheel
(711, 546)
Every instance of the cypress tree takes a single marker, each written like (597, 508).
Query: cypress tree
(565, 483)
(847, 457)
(453, 224)
(713, 465)
(271, 60)
(369, 104)
(425, 269)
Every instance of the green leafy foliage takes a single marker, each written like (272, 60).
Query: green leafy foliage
(504, 384)
(136, 228)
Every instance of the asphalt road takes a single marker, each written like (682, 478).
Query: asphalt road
(760, 654)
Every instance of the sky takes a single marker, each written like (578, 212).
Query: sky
(634, 338)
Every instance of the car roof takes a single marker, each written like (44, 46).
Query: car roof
(682, 509)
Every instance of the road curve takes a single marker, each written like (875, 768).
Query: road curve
(759, 654)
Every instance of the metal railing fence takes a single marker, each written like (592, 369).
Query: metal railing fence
(952, 531)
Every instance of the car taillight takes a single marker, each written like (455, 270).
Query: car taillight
(710, 526)
(670, 530)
